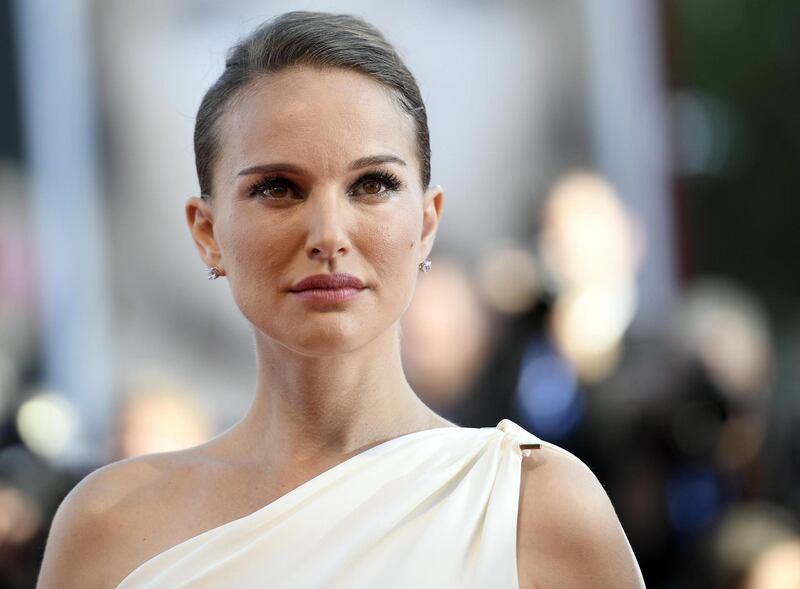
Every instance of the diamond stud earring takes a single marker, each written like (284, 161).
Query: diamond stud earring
(213, 273)
(425, 266)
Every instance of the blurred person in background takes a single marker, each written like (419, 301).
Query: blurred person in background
(673, 423)
(313, 159)
(445, 309)
(756, 545)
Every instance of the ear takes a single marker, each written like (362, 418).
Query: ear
(431, 213)
(200, 217)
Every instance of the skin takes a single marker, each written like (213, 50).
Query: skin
(330, 380)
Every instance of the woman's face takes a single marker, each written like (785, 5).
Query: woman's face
(317, 173)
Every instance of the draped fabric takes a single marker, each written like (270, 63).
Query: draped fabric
(434, 508)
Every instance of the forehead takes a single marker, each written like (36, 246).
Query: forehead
(320, 119)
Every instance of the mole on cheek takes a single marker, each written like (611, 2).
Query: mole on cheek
(411, 245)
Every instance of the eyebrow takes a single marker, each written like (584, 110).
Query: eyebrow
(363, 162)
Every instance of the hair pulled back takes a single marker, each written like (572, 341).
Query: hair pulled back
(317, 40)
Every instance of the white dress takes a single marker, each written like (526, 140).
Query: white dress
(434, 508)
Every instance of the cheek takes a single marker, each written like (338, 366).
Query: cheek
(256, 257)
(389, 246)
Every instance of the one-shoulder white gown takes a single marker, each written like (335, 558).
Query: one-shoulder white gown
(434, 508)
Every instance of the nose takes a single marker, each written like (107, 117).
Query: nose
(327, 234)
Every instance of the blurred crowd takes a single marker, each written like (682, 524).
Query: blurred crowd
(682, 427)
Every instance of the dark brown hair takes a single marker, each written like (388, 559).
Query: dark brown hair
(312, 39)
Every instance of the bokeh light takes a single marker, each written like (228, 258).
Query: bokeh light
(48, 424)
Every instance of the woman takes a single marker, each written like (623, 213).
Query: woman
(313, 160)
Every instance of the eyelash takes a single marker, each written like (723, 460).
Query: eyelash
(389, 180)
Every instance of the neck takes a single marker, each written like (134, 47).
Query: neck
(321, 408)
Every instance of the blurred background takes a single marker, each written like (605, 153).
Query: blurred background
(615, 269)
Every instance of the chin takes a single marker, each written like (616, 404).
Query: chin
(323, 336)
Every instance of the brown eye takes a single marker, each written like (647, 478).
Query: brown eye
(377, 184)
(273, 189)
(277, 191)
(372, 186)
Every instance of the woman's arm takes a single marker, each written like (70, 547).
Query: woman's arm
(75, 544)
(568, 535)
(91, 534)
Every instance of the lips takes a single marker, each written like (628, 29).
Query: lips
(328, 281)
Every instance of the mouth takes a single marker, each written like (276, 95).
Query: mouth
(328, 295)
(328, 288)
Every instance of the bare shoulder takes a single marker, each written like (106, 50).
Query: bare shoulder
(568, 532)
(97, 530)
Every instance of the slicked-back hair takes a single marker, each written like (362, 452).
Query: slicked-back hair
(317, 40)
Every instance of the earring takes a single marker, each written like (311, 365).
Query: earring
(213, 273)
(425, 266)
